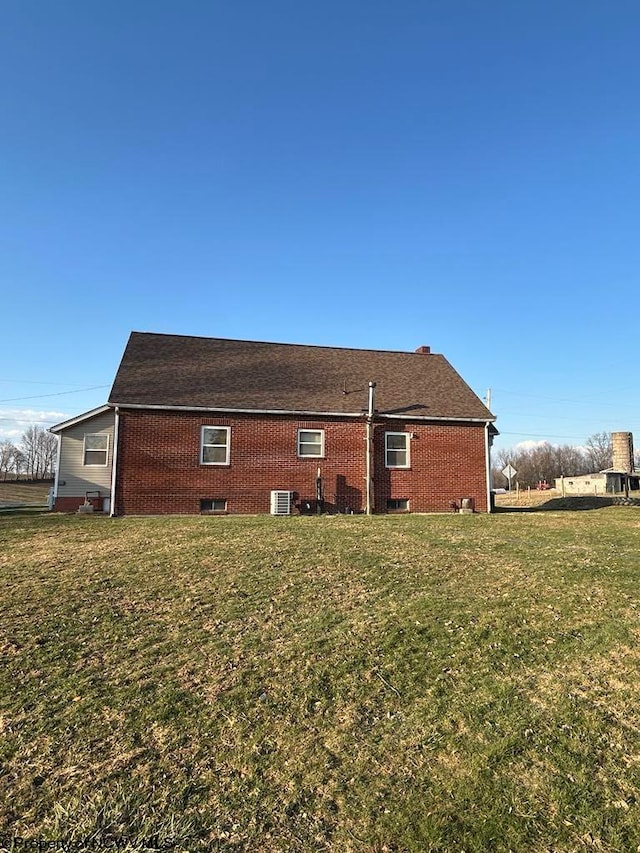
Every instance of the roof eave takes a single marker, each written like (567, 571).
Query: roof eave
(299, 413)
(85, 416)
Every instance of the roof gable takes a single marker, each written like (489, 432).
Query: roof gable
(85, 416)
(216, 373)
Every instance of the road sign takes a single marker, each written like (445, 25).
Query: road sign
(509, 472)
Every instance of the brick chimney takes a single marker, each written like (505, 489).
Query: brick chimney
(424, 350)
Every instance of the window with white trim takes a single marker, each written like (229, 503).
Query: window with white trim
(214, 445)
(311, 442)
(396, 449)
(96, 448)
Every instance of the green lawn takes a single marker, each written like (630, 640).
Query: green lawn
(407, 683)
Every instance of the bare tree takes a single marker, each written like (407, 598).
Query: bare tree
(19, 462)
(39, 451)
(49, 453)
(544, 462)
(570, 461)
(599, 451)
(7, 453)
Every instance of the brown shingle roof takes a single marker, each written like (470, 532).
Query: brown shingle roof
(176, 370)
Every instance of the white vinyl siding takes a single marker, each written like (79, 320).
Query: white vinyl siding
(311, 443)
(396, 449)
(215, 445)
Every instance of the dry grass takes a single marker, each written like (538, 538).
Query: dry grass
(19, 492)
(526, 497)
(435, 683)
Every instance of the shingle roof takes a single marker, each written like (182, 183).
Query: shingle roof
(195, 372)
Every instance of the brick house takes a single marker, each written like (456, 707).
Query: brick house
(208, 425)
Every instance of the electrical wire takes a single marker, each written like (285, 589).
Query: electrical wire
(57, 394)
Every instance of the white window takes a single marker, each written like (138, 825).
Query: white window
(96, 448)
(311, 442)
(396, 449)
(215, 445)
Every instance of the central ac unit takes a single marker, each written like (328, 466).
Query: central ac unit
(280, 503)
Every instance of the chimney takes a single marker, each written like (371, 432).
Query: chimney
(424, 350)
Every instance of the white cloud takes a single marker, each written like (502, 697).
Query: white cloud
(530, 444)
(13, 422)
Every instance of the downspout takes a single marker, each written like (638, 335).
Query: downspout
(56, 479)
(114, 463)
(369, 455)
(487, 452)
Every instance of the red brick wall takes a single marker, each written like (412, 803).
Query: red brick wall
(69, 504)
(159, 467)
(447, 463)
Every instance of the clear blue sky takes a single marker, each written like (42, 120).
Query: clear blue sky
(354, 173)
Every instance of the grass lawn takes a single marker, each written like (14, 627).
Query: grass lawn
(395, 683)
(24, 492)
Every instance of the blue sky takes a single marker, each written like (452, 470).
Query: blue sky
(370, 174)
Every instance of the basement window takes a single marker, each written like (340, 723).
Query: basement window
(311, 442)
(215, 445)
(397, 505)
(213, 505)
(96, 449)
(396, 449)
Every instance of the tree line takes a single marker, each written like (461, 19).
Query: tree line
(34, 457)
(546, 462)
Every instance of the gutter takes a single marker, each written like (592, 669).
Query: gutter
(296, 412)
(114, 463)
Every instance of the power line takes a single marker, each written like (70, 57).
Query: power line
(541, 435)
(41, 382)
(57, 394)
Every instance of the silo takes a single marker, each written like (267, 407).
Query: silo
(622, 445)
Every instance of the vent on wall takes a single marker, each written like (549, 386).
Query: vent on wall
(280, 503)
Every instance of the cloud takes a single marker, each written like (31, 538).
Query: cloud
(13, 422)
(530, 444)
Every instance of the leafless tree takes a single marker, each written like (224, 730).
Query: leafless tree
(600, 451)
(544, 462)
(7, 454)
(570, 461)
(549, 462)
(39, 451)
(19, 462)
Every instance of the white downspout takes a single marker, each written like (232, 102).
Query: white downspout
(487, 451)
(114, 464)
(56, 479)
(369, 456)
